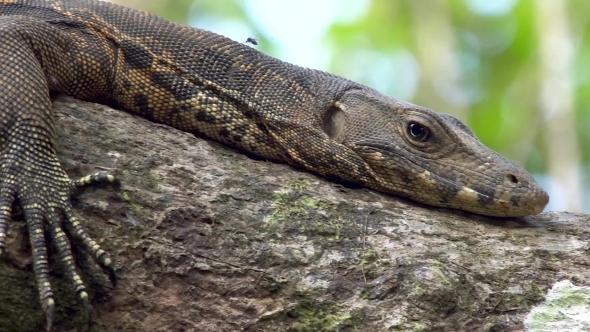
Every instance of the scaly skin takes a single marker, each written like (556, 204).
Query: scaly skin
(203, 83)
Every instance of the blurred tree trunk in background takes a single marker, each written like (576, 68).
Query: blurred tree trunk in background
(556, 100)
(440, 86)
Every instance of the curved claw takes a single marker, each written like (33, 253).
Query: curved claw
(83, 296)
(107, 267)
(49, 313)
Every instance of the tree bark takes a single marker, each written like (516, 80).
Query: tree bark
(207, 239)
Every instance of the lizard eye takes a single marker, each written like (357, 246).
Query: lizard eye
(418, 132)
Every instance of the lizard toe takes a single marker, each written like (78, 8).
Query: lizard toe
(99, 255)
(6, 200)
(99, 179)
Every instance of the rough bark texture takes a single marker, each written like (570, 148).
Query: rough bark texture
(207, 239)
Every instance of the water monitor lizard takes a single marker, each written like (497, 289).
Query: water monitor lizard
(200, 82)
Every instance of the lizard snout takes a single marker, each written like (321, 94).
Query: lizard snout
(536, 197)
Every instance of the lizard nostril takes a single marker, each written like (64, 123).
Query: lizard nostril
(511, 177)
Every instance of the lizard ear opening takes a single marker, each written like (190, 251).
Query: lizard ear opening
(333, 122)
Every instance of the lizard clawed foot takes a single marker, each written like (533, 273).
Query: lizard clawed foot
(43, 191)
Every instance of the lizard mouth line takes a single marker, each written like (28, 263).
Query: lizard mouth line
(477, 195)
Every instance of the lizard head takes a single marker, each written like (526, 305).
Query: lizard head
(430, 157)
